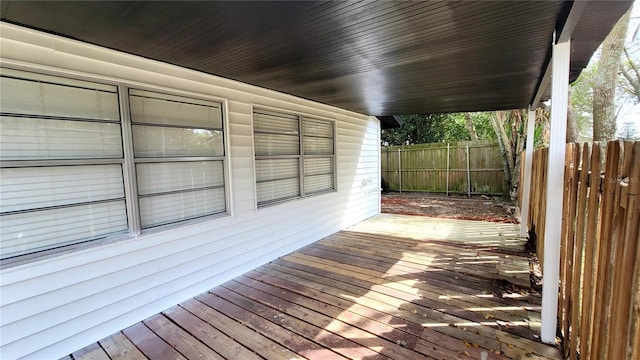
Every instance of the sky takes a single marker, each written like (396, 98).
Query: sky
(630, 111)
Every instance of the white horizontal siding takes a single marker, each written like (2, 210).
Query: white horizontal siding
(57, 305)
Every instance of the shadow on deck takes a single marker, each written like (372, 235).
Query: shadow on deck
(398, 287)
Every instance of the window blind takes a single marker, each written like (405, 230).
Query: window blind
(176, 129)
(63, 196)
(62, 175)
(283, 171)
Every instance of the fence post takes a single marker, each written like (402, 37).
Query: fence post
(399, 171)
(468, 175)
(448, 159)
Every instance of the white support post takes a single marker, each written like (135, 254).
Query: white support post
(555, 180)
(528, 161)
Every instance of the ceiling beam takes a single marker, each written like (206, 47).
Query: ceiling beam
(563, 33)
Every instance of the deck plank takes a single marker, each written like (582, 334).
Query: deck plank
(151, 345)
(379, 329)
(357, 335)
(394, 287)
(220, 342)
(246, 336)
(295, 343)
(118, 347)
(411, 278)
(179, 339)
(325, 338)
(338, 301)
(91, 352)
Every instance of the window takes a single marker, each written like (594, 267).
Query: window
(65, 162)
(295, 156)
(179, 152)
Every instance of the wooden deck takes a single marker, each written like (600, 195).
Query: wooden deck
(393, 287)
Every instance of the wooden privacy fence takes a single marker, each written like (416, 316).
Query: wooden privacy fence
(599, 294)
(464, 167)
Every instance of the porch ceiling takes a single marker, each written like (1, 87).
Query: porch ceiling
(377, 58)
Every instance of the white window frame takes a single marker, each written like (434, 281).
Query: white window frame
(127, 162)
(300, 157)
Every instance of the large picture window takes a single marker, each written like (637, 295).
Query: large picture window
(65, 161)
(295, 156)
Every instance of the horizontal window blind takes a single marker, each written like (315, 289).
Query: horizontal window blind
(169, 208)
(272, 122)
(276, 169)
(318, 142)
(67, 158)
(24, 138)
(155, 141)
(42, 95)
(40, 187)
(177, 128)
(277, 190)
(30, 232)
(163, 109)
(76, 124)
(177, 176)
(283, 171)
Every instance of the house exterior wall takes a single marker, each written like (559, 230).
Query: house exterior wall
(53, 306)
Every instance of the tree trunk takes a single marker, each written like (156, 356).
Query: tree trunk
(604, 87)
(573, 131)
(470, 127)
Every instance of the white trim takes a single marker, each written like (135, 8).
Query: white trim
(544, 84)
(528, 161)
(577, 7)
(555, 180)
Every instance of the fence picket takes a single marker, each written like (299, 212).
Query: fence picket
(430, 167)
(599, 297)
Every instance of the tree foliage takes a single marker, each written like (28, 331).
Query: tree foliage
(433, 128)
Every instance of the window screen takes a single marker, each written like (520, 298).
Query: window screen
(178, 148)
(61, 180)
(294, 156)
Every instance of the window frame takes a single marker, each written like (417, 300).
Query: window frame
(127, 162)
(301, 117)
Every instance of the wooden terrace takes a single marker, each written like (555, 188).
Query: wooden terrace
(392, 287)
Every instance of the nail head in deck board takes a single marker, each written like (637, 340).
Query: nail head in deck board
(248, 337)
(91, 352)
(266, 328)
(451, 343)
(179, 339)
(214, 338)
(118, 347)
(151, 344)
(323, 337)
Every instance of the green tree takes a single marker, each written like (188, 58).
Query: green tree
(433, 128)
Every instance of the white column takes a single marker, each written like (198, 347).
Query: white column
(528, 160)
(555, 179)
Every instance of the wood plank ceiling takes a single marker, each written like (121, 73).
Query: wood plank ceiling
(377, 58)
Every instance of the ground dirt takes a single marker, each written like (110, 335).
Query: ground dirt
(481, 207)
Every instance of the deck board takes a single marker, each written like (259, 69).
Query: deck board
(393, 287)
